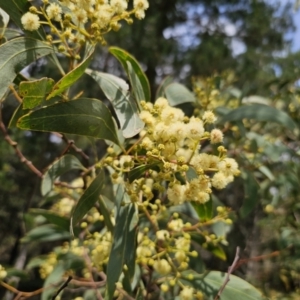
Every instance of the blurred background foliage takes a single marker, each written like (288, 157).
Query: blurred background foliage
(239, 48)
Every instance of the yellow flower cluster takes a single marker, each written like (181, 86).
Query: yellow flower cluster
(168, 253)
(82, 20)
(212, 92)
(64, 206)
(48, 265)
(174, 140)
(3, 272)
(101, 245)
(96, 246)
(171, 144)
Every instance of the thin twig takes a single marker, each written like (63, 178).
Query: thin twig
(259, 258)
(230, 270)
(125, 294)
(14, 144)
(82, 283)
(69, 186)
(89, 267)
(62, 287)
(71, 144)
(20, 293)
(11, 87)
(25, 295)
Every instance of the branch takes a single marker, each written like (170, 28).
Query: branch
(62, 287)
(25, 295)
(11, 87)
(20, 293)
(69, 186)
(71, 144)
(14, 144)
(230, 270)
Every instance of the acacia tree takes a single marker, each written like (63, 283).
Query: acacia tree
(132, 218)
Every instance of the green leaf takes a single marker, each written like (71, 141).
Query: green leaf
(217, 251)
(256, 99)
(116, 90)
(34, 92)
(52, 282)
(18, 113)
(16, 55)
(4, 17)
(177, 93)
(9, 33)
(64, 164)
(139, 171)
(126, 282)
(125, 57)
(106, 213)
(211, 282)
(88, 199)
(251, 188)
(84, 116)
(17, 273)
(198, 238)
(137, 88)
(267, 172)
(52, 218)
(131, 242)
(262, 113)
(35, 262)
(15, 9)
(124, 238)
(161, 89)
(204, 211)
(46, 233)
(70, 78)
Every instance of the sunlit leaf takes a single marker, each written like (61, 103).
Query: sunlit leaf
(9, 33)
(88, 199)
(125, 57)
(17, 54)
(4, 17)
(256, 99)
(116, 90)
(262, 113)
(161, 89)
(210, 283)
(267, 172)
(64, 164)
(177, 93)
(137, 88)
(71, 77)
(84, 116)
(34, 92)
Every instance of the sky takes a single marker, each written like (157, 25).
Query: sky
(296, 35)
(185, 31)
